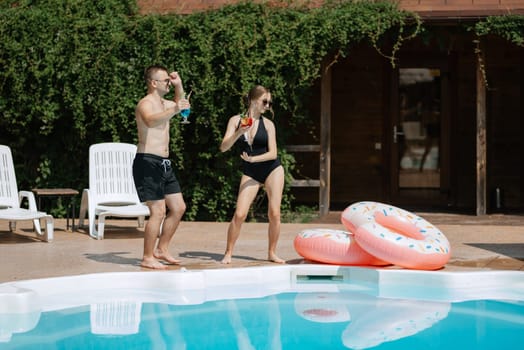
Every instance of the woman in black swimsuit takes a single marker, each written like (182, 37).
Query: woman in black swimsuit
(261, 166)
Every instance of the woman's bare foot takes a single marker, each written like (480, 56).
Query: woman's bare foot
(151, 263)
(165, 256)
(226, 259)
(274, 258)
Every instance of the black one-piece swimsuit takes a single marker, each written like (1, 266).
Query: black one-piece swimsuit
(258, 170)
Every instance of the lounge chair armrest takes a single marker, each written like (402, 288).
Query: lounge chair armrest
(30, 199)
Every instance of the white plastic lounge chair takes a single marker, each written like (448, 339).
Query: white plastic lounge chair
(111, 189)
(11, 200)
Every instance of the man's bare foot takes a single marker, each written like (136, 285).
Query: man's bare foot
(275, 259)
(226, 259)
(152, 264)
(165, 256)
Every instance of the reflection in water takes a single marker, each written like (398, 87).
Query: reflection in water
(243, 341)
(392, 320)
(322, 307)
(372, 320)
(20, 311)
(163, 328)
(269, 312)
(117, 317)
(315, 318)
(11, 323)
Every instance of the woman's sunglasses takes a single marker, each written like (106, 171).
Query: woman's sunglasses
(268, 103)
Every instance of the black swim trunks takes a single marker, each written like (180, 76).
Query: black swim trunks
(154, 177)
(258, 171)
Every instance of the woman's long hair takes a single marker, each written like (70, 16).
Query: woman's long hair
(254, 94)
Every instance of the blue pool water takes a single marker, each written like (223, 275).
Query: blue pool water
(276, 308)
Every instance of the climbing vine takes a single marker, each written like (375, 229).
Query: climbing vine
(508, 27)
(71, 75)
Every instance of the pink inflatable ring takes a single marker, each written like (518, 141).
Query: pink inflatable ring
(397, 236)
(332, 247)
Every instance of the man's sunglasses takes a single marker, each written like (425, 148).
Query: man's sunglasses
(165, 81)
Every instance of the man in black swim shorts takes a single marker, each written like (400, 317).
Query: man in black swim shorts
(154, 177)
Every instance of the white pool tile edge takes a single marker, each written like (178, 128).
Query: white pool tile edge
(184, 287)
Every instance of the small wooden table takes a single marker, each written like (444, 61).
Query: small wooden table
(59, 192)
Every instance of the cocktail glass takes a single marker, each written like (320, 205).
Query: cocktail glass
(186, 112)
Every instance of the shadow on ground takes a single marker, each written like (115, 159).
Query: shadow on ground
(513, 250)
(207, 256)
(113, 258)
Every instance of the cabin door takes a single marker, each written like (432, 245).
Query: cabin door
(420, 134)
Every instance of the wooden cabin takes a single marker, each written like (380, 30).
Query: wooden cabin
(428, 134)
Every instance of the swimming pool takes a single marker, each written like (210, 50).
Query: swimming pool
(280, 307)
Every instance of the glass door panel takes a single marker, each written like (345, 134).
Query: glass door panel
(417, 134)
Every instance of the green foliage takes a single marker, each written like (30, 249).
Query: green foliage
(71, 75)
(509, 27)
(301, 214)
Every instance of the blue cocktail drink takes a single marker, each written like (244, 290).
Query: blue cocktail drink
(186, 112)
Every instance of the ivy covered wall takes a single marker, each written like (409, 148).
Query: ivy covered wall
(71, 75)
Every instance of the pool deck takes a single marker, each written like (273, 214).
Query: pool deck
(491, 242)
